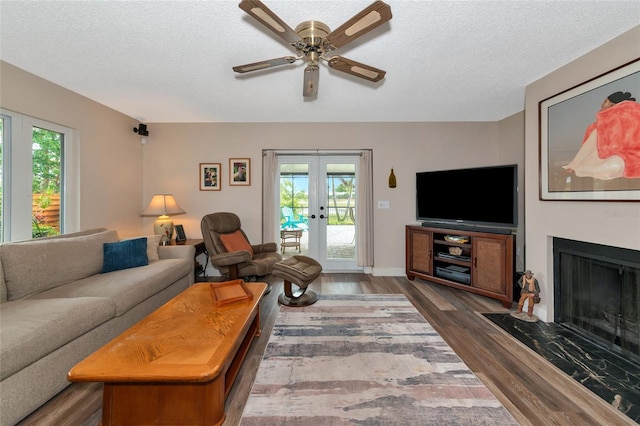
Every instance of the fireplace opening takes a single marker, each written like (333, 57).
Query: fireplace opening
(597, 294)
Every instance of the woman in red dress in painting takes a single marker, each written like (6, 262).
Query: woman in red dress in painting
(611, 145)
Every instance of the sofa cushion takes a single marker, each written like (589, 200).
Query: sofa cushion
(33, 266)
(153, 242)
(125, 254)
(128, 287)
(32, 329)
(74, 234)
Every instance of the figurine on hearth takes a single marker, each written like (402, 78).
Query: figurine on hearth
(530, 292)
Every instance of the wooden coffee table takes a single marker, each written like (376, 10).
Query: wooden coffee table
(176, 366)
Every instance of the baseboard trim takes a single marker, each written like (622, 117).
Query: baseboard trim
(388, 272)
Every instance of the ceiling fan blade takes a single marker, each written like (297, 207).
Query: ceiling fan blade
(349, 66)
(264, 15)
(311, 79)
(256, 66)
(371, 17)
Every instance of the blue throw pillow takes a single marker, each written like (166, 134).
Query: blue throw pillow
(125, 254)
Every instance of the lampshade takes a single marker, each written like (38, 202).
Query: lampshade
(163, 206)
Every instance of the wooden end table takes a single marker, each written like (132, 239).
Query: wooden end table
(177, 365)
(198, 244)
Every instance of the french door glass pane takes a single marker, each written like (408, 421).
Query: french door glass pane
(47, 182)
(294, 206)
(341, 202)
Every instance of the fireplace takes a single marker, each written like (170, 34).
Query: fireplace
(597, 294)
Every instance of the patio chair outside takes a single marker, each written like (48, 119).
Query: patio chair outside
(291, 222)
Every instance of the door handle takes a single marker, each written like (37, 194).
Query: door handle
(321, 216)
(313, 216)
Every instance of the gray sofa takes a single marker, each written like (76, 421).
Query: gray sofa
(57, 307)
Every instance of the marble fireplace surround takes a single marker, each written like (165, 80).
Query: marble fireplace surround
(597, 294)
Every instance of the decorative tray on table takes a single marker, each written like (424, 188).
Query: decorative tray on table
(230, 292)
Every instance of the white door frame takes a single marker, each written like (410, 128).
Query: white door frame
(317, 234)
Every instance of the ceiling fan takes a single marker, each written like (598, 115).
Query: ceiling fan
(312, 40)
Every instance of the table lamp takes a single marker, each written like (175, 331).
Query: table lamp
(163, 206)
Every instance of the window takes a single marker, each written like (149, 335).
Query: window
(46, 152)
(37, 159)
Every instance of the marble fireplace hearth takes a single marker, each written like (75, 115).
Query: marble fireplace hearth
(595, 336)
(611, 377)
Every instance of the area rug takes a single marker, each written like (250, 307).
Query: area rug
(365, 360)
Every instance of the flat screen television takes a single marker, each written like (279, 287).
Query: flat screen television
(476, 197)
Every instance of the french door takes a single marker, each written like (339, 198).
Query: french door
(317, 201)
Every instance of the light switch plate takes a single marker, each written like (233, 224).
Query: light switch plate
(383, 204)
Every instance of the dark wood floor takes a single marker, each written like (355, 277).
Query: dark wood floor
(533, 390)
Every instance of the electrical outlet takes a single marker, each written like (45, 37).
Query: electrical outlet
(383, 204)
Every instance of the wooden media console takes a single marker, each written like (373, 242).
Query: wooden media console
(475, 261)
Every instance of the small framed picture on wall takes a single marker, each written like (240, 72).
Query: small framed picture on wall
(239, 171)
(210, 174)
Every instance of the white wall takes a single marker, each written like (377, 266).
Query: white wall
(577, 220)
(173, 152)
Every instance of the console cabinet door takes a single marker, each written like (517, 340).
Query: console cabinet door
(489, 264)
(420, 255)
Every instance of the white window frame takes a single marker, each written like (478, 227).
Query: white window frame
(18, 176)
(6, 176)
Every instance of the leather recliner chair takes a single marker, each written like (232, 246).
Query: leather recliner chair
(239, 258)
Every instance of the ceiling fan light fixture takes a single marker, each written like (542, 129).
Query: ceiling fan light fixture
(312, 32)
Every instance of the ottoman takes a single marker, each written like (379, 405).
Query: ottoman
(302, 271)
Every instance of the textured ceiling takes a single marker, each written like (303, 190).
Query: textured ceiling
(170, 61)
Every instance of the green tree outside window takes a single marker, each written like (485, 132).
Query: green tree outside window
(47, 181)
